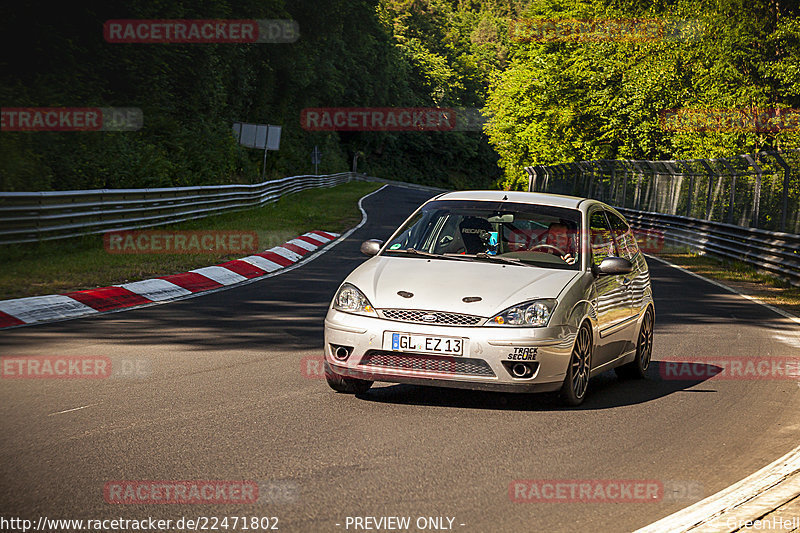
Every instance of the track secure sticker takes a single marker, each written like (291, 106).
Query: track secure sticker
(523, 354)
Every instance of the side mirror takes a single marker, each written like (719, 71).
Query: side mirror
(615, 266)
(371, 247)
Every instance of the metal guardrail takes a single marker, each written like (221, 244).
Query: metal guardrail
(775, 252)
(696, 203)
(40, 216)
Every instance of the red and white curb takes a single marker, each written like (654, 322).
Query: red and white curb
(22, 311)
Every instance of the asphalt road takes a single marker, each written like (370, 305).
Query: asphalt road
(225, 395)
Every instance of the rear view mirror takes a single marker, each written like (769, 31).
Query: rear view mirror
(506, 218)
(371, 247)
(615, 266)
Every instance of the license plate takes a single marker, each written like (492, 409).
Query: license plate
(406, 342)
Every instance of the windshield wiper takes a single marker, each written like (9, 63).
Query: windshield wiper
(484, 256)
(414, 251)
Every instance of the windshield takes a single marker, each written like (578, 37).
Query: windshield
(515, 233)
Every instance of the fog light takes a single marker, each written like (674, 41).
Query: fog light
(341, 353)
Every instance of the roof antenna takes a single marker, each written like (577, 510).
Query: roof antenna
(505, 197)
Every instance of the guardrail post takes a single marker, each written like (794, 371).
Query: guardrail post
(711, 175)
(674, 190)
(583, 190)
(732, 198)
(637, 195)
(614, 186)
(653, 205)
(624, 185)
(575, 173)
(786, 176)
(531, 178)
(756, 189)
(690, 192)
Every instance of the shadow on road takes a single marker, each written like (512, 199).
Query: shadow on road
(605, 391)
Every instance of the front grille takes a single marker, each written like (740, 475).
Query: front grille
(441, 319)
(427, 363)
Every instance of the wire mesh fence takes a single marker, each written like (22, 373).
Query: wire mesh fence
(759, 191)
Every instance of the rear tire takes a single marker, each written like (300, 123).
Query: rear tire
(576, 382)
(345, 385)
(637, 369)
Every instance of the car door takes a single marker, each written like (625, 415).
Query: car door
(626, 244)
(639, 276)
(612, 300)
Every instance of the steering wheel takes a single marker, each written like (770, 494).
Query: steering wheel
(556, 248)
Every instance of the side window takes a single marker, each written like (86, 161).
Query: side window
(602, 241)
(626, 240)
(411, 234)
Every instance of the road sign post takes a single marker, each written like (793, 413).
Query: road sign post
(316, 159)
(264, 136)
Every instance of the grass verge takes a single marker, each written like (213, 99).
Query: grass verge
(53, 267)
(737, 275)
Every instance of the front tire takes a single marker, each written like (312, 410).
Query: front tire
(576, 382)
(637, 369)
(345, 385)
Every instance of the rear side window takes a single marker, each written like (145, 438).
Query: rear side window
(626, 240)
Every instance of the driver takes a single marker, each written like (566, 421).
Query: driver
(558, 235)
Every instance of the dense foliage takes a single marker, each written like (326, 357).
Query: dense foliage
(347, 55)
(571, 101)
(548, 101)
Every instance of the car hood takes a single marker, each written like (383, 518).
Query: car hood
(441, 285)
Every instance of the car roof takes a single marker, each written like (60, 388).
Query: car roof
(537, 198)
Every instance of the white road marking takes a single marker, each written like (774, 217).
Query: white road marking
(792, 340)
(75, 409)
(772, 308)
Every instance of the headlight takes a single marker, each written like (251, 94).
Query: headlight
(535, 313)
(351, 300)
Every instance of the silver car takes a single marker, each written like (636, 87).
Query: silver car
(495, 290)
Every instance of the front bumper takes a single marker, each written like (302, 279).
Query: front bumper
(485, 364)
